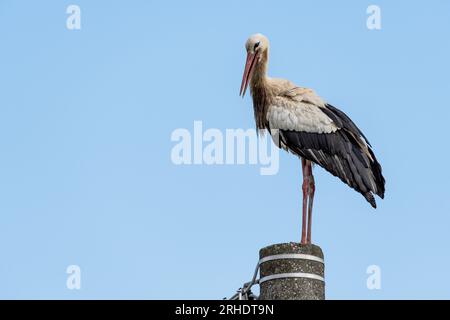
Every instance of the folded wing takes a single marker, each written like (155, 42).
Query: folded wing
(326, 136)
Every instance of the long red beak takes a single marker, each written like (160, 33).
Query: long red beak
(249, 66)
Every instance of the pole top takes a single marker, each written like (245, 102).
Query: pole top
(291, 247)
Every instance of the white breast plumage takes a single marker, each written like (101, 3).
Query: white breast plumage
(287, 114)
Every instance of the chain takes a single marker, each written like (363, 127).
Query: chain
(245, 293)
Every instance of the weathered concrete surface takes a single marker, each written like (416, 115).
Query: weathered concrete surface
(292, 288)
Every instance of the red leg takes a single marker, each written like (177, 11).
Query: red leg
(305, 187)
(311, 191)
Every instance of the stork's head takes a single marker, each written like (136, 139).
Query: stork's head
(257, 47)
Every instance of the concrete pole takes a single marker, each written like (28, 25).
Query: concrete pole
(291, 271)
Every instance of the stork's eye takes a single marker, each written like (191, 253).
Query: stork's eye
(256, 45)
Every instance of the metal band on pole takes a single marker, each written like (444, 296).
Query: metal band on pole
(291, 256)
(292, 275)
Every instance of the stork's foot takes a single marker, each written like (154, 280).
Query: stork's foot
(305, 189)
(311, 191)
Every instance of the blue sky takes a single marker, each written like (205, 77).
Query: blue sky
(86, 174)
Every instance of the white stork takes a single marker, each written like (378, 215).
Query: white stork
(303, 123)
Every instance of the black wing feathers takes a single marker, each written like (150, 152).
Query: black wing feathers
(342, 120)
(340, 154)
